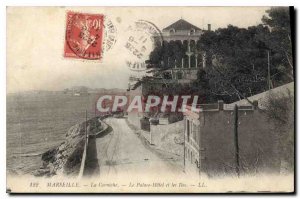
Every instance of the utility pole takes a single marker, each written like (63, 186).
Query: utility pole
(236, 140)
(184, 146)
(199, 162)
(86, 134)
(269, 73)
(196, 55)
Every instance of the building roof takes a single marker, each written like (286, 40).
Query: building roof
(285, 89)
(181, 24)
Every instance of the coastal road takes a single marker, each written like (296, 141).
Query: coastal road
(120, 152)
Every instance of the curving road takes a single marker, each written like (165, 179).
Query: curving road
(121, 152)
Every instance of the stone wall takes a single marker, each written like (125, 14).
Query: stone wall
(160, 132)
(258, 144)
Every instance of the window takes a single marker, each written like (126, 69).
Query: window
(195, 131)
(188, 130)
(192, 31)
(172, 30)
(179, 75)
(167, 75)
(151, 89)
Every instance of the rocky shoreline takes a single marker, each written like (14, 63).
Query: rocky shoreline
(66, 158)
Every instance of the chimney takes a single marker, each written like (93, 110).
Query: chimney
(209, 27)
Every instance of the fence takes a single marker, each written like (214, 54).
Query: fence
(83, 159)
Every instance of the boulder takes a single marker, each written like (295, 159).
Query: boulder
(58, 156)
(62, 146)
(41, 172)
(51, 168)
(49, 156)
(65, 153)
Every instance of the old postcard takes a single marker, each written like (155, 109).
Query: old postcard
(150, 100)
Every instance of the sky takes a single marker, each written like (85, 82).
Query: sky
(36, 36)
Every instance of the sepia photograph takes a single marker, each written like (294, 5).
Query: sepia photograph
(150, 99)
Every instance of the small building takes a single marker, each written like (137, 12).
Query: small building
(213, 146)
(181, 69)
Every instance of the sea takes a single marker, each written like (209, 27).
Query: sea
(37, 122)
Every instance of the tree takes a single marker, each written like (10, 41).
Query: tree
(236, 58)
(201, 87)
(279, 41)
(280, 111)
(236, 61)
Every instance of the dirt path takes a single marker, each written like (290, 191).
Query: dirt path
(121, 152)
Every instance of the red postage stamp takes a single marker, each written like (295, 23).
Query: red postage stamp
(84, 33)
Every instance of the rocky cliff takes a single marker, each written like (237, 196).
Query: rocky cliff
(66, 158)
